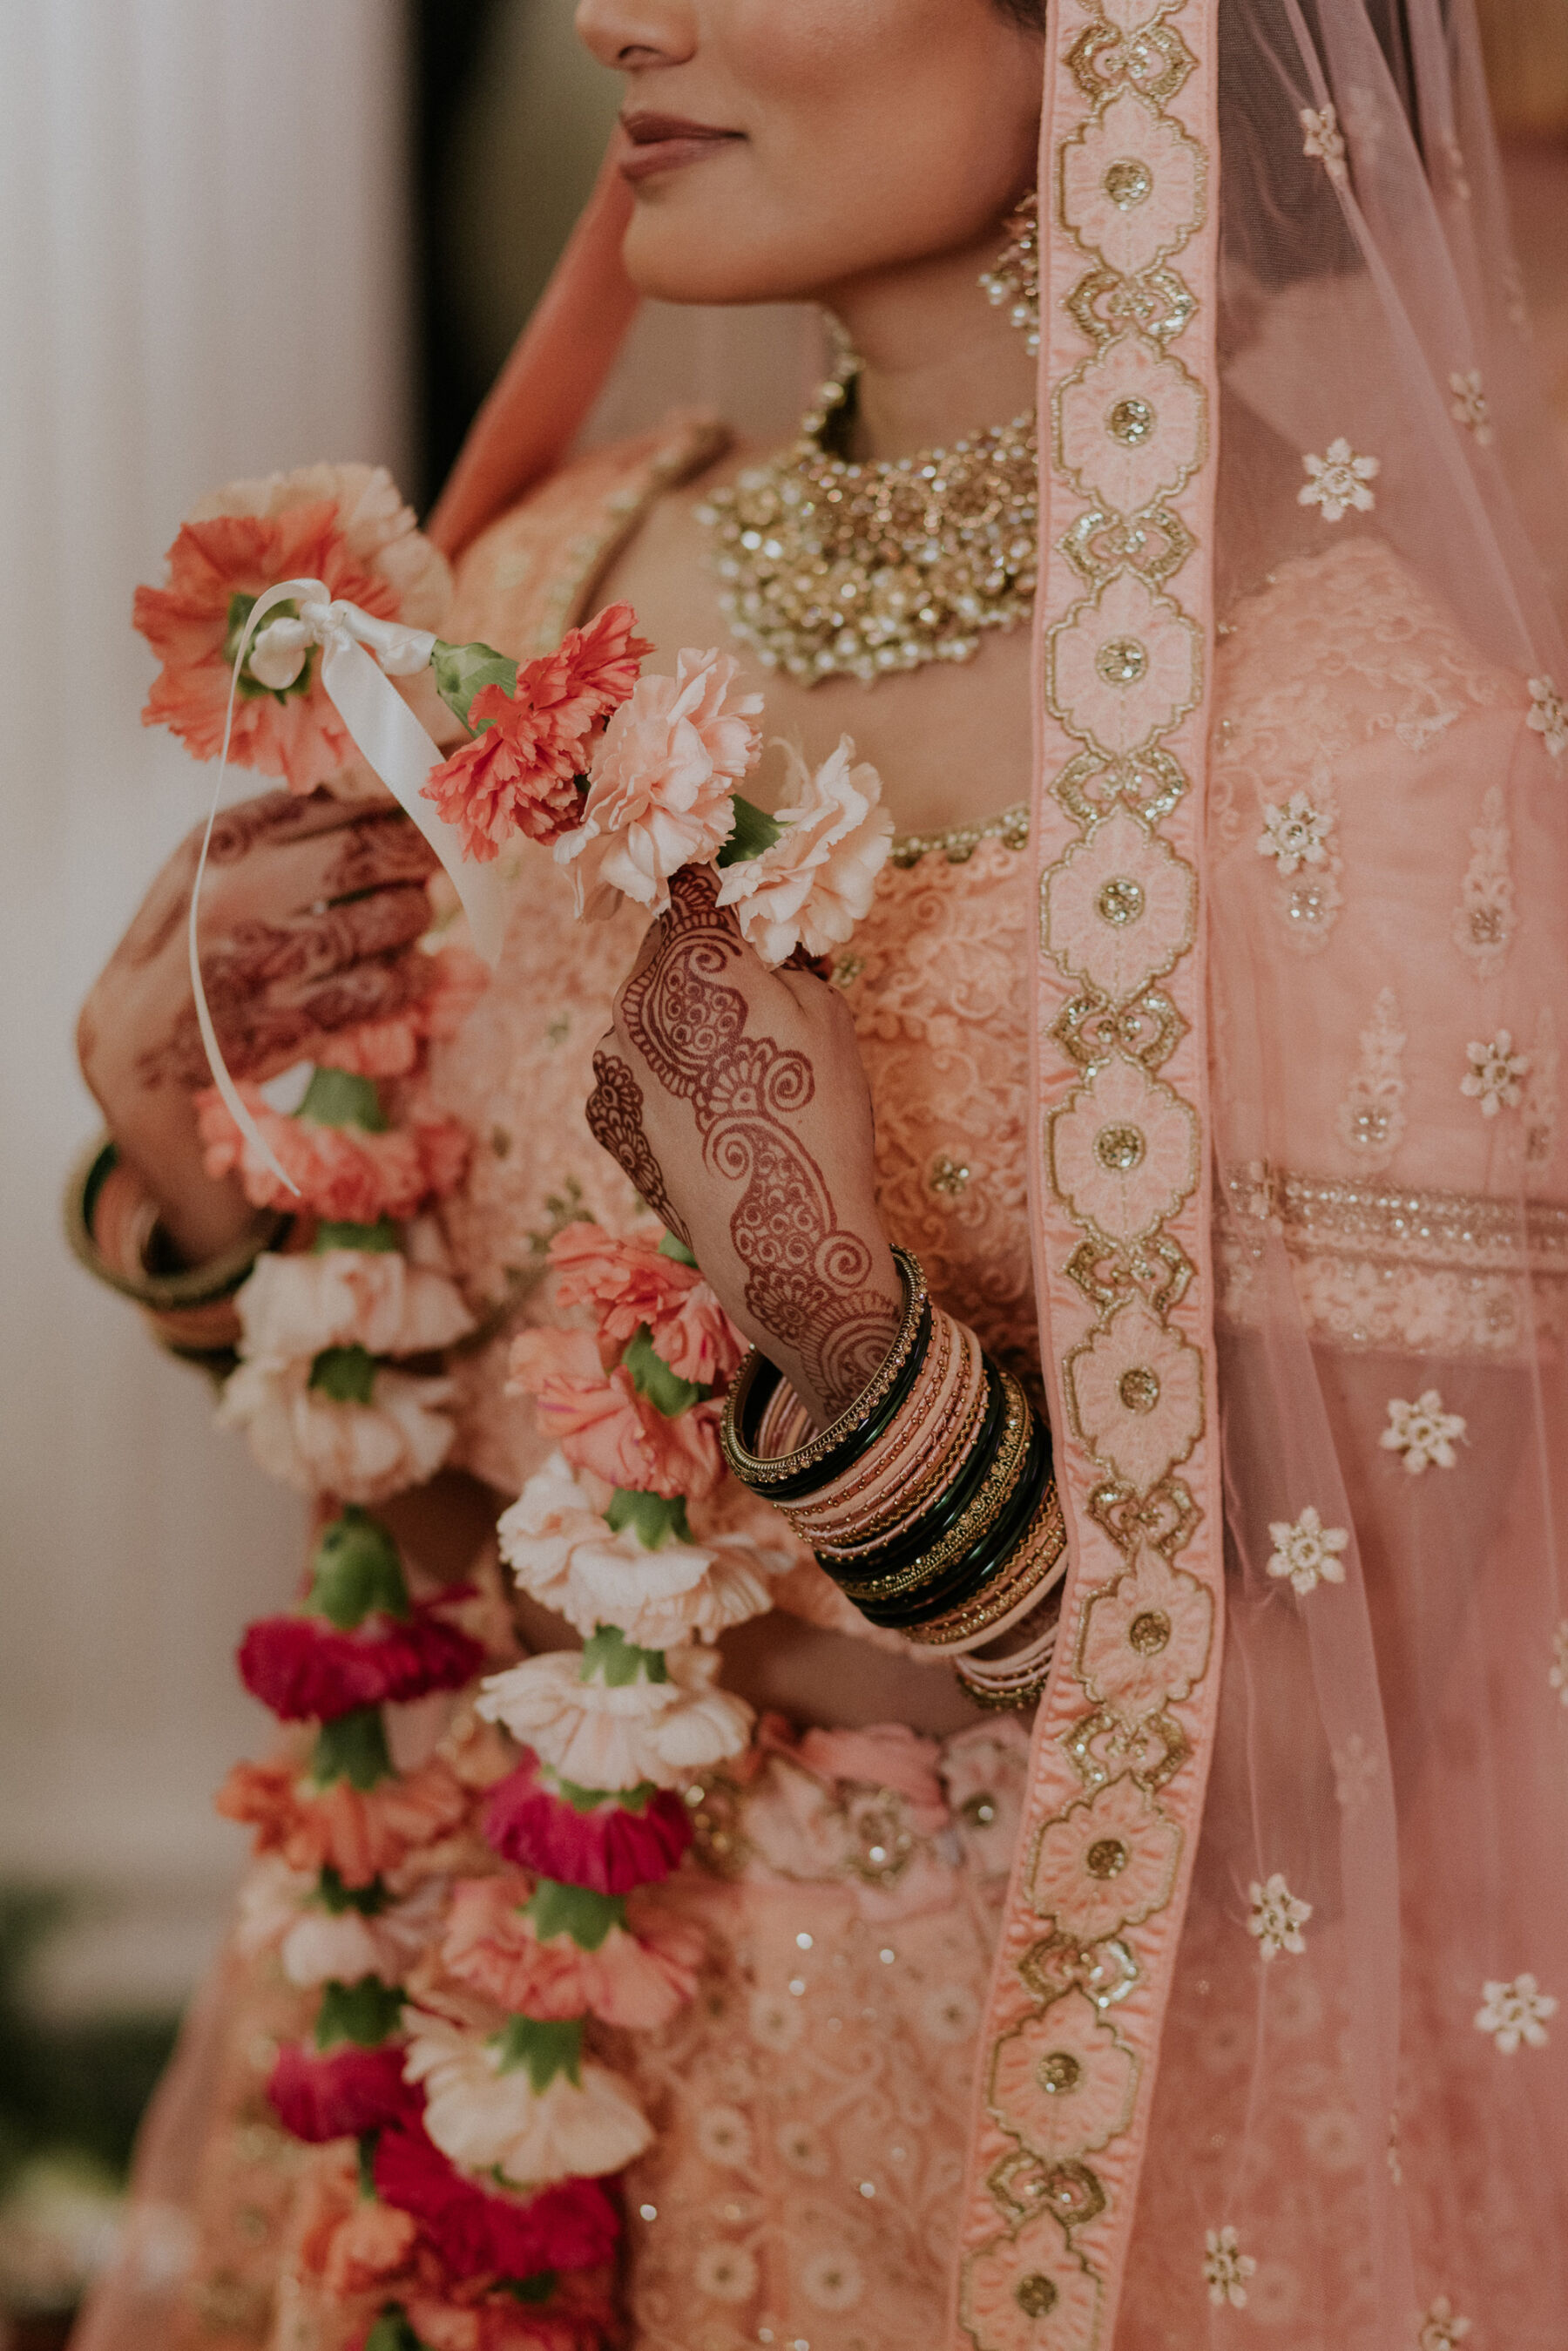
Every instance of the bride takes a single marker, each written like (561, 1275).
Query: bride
(1143, 1919)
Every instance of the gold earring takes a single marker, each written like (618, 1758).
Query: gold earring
(1014, 277)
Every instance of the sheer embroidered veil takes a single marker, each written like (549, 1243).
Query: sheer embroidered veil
(1301, 1199)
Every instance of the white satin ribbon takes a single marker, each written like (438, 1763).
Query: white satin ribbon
(388, 739)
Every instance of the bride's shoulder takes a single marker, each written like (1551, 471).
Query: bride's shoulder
(525, 578)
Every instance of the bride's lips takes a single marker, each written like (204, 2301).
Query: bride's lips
(663, 142)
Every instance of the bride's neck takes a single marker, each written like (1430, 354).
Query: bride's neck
(938, 360)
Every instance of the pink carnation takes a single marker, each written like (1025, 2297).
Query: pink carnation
(603, 1426)
(628, 1283)
(816, 883)
(609, 1850)
(337, 2095)
(345, 526)
(345, 1174)
(662, 789)
(519, 773)
(569, 2227)
(639, 1979)
(361, 1832)
(304, 1669)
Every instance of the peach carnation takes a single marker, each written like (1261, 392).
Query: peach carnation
(661, 789)
(600, 1735)
(603, 1426)
(628, 1283)
(375, 1298)
(563, 1553)
(639, 1979)
(489, 2118)
(814, 882)
(360, 1452)
(343, 525)
(361, 1833)
(345, 1174)
(280, 1910)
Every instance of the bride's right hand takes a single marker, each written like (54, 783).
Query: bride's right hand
(309, 912)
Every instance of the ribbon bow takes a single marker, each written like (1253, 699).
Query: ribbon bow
(388, 739)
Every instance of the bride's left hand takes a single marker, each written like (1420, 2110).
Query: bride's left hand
(734, 1099)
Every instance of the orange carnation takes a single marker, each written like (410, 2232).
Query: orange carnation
(343, 525)
(359, 1833)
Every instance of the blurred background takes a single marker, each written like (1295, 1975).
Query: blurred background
(235, 239)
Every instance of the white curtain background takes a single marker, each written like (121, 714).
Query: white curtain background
(202, 271)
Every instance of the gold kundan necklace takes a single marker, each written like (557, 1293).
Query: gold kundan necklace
(830, 569)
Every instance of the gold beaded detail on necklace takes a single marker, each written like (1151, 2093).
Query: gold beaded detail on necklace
(830, 569)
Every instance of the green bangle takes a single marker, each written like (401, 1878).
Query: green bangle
(178, 1288)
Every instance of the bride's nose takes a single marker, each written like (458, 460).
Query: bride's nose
(632, 34)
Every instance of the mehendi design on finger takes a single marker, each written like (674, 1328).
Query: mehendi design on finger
(378, 850)
(808, 1279)
(614, 1122)
(260, 1033)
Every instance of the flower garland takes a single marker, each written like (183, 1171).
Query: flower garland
(468, 1915)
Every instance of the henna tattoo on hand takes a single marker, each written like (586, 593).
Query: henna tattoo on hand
(261, 1033)
(615, 1120)
(809, 1280)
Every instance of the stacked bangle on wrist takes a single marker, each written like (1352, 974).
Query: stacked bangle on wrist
(931, 1502)
(111, 1224)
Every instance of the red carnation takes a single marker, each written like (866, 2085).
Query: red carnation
(570, 2227)
(609, 1850)
(338, 2095)
(305, 1670)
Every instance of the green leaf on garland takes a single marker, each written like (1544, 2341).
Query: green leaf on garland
(366, 2013)
(339, 1098)
(574, 1911)
(674, 1247)
(652, 1517)
(755, 832)
(352, 1748)
(463, 671)
(333, 1897)
(533, 2290)
(609, 1654)
(347, 1375)
(381, 1239)
(365, 2153)
(652, 1377)
(358, 1571)
(392, 2332)
(546, 2046)
(588, 1800)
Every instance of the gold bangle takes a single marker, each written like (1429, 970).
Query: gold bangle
(751, 1469)
(980, 1515)
(1037, 1556)
(160, 1293)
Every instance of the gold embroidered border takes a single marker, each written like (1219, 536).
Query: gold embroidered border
(1121, 1746)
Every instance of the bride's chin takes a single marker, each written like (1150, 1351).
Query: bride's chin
(677, 253)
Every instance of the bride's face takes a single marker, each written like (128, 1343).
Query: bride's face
(779, 149)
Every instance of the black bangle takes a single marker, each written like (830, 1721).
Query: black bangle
(816, 1464)
(934, 1554)
(992, 1556)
